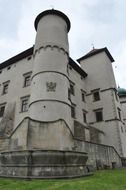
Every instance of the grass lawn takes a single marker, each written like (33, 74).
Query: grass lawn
(102, 180)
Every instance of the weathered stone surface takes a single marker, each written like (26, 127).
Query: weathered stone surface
(79, 130)
(7, 122)
(99, 156)
(43, 164)
(49, 135)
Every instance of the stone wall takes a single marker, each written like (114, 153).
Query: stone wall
(43, 164)
(100, 156)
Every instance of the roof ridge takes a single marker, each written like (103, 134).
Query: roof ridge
(96, 51)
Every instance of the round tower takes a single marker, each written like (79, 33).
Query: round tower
(50, 82)
(49, 141)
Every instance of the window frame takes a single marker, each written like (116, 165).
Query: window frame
(72, 88)
(73, 111)
(2, 112)
(99, 118)
(116, 95)
(24, 104)
(27, 79)
(96, 97)
(119, 114)
(5, 87)
(84, 112)
(83, 94)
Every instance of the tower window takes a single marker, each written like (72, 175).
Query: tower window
(116, 95)
(83, 95)
(122, 129)
(69, 97)
(84, 116)
(27, 79)
(96, 95)
(24, 103)
(99, 115)
(119, 113)
(73, 112)
(72, 91)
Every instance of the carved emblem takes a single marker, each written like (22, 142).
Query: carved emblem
(51, 86)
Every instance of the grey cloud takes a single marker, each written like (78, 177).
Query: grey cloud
(10, 12)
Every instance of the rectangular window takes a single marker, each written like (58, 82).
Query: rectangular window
(69, 97)
(24, 104)
(116, 95)
(2, 108)
(122, 129)
(73, 112)
(119, 113)
(5, 87)
(99, 115)
(96, 95)
(27, 79)
(72, 91)
(84, 116)
(83, 95)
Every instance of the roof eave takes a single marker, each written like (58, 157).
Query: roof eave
(16, 58)
(77, 68)
(97, 52)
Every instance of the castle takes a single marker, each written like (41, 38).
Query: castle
(59, 117)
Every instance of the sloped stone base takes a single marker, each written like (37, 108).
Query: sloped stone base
(43, 164)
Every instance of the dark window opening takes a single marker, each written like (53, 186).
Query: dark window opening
(116, 95)
(5, 88)
(96, 96)
(84, 117)
(69, 97)
(24, 104)
(119, 113)
(83, 94)
(72, 89)
(2, 108)
(99, 115)
(73, 113)
(27, 80)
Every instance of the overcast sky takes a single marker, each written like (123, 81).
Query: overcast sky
(98, 22)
